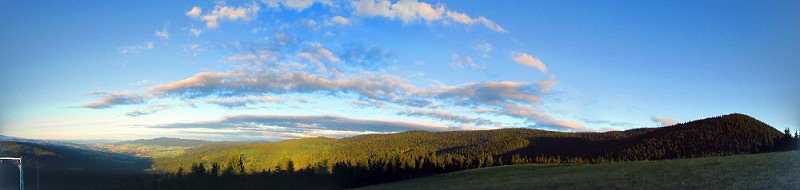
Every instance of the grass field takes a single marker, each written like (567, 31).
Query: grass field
(757, 171)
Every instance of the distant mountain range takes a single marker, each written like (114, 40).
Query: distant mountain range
(166, 141)
(44, 142)
(8, 138)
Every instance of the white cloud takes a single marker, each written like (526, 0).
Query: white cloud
(240, 83)
(163, 33)
(365, 56)
(537, 116)
(311, 24)
(194, 12)
(223, 12)
(340, 20)
(245, 101)
(544, 86)
(240, 57)
(302, 123)
(196, 32)
(297, 5)
(236, 102)
(373, 8)
(611, 123)
(112, 99)
(466, 19)
(143, 82)
(528, 60)
(316, 53)
(515, 99)
(491, 93)
(413, 10)
(239, 88)
(463, 61)
(136, 48)
(193, 49)
(484, 48)
(149, 110)
(409, 10)
(369, 103)
(442, 115)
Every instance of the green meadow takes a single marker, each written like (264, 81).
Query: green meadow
(779, 170)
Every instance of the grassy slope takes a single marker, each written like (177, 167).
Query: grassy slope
(769, 170)
(257, 155)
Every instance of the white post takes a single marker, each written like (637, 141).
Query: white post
(19, 165)
(21, 182)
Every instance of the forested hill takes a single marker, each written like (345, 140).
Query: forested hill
(63, 158)
(54, 166)
(165, 141)
(723, 135)
(376, 158)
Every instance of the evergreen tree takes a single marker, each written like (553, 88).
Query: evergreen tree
(198, 169)
(214, 169)
(179, 172)
(240, 169)
(290, 166)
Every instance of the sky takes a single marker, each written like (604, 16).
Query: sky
(284, 69)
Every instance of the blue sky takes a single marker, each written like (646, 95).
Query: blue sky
(282, 69)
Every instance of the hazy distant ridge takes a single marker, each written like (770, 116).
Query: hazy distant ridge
(166, 141)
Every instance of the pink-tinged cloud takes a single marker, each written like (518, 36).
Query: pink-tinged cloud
(240, 83)
(544, 86)
(442, 115)
(528, 60)
(489, 93)
(112, 99)
(663, 121)
(413, 10)
(537, 116)
(194, 12)
(223, 12)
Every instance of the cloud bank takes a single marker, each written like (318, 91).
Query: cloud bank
(306, 122)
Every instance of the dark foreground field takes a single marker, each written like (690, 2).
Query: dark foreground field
(779, 170)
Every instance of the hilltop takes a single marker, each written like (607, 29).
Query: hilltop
(375, 158)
